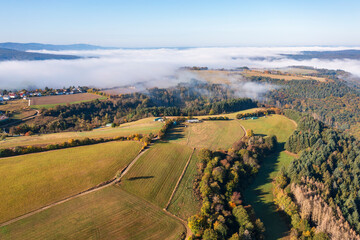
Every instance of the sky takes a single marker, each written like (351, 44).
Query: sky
(182, 23)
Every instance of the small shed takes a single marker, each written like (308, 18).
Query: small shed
(193, 121)
(159, 119)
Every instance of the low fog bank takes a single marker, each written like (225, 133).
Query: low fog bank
(153, 67)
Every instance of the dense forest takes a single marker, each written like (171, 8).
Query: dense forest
(335, 102)
(221, 178)
(325, 176)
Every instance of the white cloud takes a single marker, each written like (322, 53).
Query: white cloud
(126, 66)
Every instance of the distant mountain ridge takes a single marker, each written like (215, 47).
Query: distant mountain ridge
(15, 55)
(340, 54)
(50, 47)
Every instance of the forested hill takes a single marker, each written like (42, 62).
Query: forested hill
(14, 55)
(334, 102)
(325, 179)
(50, 47)
(330, 55)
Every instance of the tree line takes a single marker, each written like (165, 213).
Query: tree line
(222, 176)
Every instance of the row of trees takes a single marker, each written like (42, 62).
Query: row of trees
(259, 113)
(19, 150)
(221, 178)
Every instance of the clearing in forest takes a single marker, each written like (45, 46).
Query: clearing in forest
(31, 181)
(259, 193)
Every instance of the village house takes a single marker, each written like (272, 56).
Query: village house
(6, 97)
(13, 95)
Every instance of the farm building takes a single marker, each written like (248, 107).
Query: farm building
(159, 119)
(193, 121)
(3, 118)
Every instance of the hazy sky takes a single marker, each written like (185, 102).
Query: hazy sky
(145, 23)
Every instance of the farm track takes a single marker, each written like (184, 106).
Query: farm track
(180, 178)
(188, 231)
(100, 186)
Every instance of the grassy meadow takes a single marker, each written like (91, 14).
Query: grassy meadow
(184, 203)
(154, 176)
(143, 126)
(259, 193)
(277, 125)
(31, 181)
(109, 213)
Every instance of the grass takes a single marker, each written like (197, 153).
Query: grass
(154, 176)
(143, 126)
(213, 135)
(14, 105)
(259, 193)
(184, 203)
(52, 101)
(106, 214)
(31, 181)
(277, 125)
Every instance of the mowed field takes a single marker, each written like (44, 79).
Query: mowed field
(143, 126)
(184, 203)
(109, 213)
(31, 181)
(213, 135)
(52, 101)
(154, 176)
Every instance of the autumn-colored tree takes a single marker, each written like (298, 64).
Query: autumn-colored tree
(249, 132)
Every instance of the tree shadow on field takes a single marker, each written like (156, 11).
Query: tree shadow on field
(138, 178)
(260, 135)
(175, 133)
(257, 194)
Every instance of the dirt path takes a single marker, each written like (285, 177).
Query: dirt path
(103, 185)
(179, 180)
(188, 231)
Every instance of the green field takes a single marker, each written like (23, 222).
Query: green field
(184, 203)
(31, 181)
(259, 193)
(106, 214)
(277, 125)
(143, 126)
(154, 176)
